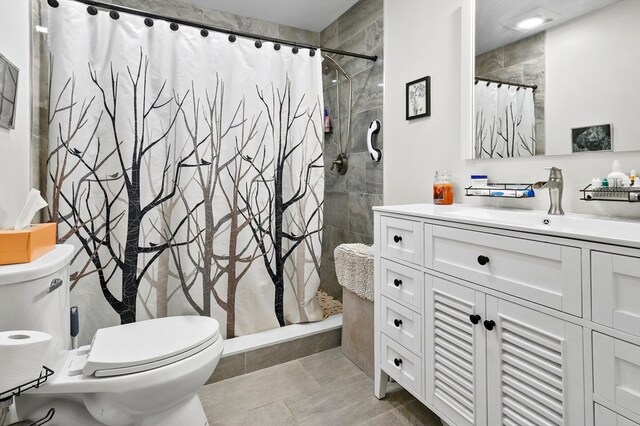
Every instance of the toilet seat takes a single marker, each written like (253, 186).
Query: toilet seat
(146, 345)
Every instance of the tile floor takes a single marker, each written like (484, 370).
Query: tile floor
(322, 389)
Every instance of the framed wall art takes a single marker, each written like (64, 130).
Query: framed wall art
(419, 98)
(592, 138)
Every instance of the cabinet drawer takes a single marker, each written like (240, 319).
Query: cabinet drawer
(616, 371)
(606, 417)
(401, 283)
(544, 273)
(615, 291)
(401, 239)
(401, 324)
(408, 371)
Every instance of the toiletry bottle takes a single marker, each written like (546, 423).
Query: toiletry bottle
(442, 188)
(616, 176)
(632, 176)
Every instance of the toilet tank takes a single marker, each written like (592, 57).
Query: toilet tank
(35, 296)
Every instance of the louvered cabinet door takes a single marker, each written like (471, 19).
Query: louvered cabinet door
(534, 368)
(455, 351)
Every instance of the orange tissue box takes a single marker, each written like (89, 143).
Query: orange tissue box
(26, 245)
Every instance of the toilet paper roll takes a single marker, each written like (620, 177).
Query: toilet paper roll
(22, 354)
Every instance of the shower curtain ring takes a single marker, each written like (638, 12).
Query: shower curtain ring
(295, 49)
(312, 52)
(174, 26)
(258, 44)
(53, 3)
(204, 32)
(232, 38)
(114, 15)
(92, 10)
(148, 22)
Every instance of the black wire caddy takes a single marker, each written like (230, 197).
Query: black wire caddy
(501, 190)
(8, 395)
(611, 193)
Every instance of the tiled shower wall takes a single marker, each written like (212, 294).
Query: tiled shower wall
(520, 62)
(348, 198)
(348, 217)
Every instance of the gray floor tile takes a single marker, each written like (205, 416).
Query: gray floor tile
(328, 366)
(273, 414)
(345, 401)
(223, 401)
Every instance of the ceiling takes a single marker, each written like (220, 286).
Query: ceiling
(491, 14)
(312, 15)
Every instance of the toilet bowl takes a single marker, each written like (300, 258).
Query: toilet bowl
(145, 373)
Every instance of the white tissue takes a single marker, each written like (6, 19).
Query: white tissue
(34, 203)
(22, 355)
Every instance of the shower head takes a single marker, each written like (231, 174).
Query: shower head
(329, 64)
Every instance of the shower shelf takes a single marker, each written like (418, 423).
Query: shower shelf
(506, 190)
(625, 194)
(33, 384)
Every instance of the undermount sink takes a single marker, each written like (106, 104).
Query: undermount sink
(588, 227)
(619, 229)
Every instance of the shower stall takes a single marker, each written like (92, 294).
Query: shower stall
(164, 177)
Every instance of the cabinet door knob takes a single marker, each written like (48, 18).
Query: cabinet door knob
(397, 238)
(475, 319)
(489, 324)
(397, 282)
(397, 322)
(483, 260)
(397, 362)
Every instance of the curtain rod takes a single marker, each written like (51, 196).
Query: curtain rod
(131, 11)
(534, 87)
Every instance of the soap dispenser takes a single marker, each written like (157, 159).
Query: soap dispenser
(616, 177)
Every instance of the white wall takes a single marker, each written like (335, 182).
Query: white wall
(424, 38)
(14, 144)
(591, 77)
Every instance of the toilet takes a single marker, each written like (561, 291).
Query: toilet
(145, 373)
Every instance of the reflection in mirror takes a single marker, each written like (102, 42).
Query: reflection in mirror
(552, 74)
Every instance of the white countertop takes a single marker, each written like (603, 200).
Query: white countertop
(622, 232)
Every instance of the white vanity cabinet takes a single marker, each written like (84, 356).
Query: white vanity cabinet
(492, 325)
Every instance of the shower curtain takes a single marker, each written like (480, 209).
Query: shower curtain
(186, 170)
(504, 120)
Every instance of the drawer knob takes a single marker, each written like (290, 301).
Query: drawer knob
(397, 362)
(483, 260)
(397, 238)
(397, 282)
(475, 319)
(489, 324)
(397, 322)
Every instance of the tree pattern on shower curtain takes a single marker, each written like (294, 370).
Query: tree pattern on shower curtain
(182, 198)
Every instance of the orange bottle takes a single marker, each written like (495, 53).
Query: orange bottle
(442, 188)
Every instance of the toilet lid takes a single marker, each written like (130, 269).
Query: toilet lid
(145, 345)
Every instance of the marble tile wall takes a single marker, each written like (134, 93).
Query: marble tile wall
(349, 198)
(520, 62)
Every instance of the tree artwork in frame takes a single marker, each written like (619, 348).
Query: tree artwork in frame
(419, 98)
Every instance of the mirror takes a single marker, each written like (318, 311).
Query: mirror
(556, 77)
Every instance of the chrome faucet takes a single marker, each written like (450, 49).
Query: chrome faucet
(554, 185)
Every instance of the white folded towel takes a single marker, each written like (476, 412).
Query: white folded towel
(354, 268)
